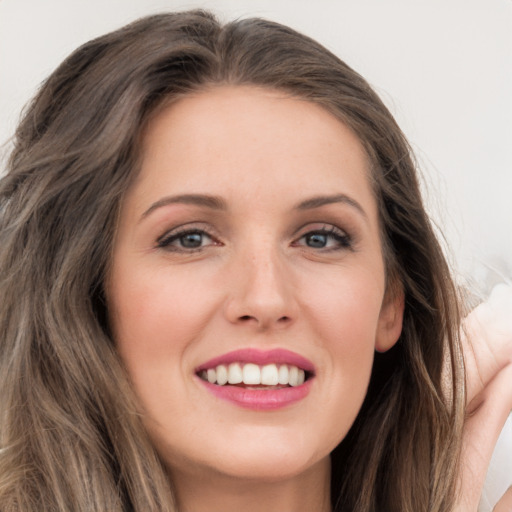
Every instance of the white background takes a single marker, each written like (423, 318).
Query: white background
(443, 67)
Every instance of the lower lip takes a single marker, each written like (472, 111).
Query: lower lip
(259, 399)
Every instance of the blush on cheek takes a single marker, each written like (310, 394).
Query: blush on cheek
(154, 320)
(351, 317)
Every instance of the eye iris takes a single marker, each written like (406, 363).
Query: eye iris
(191, 240)
(317, 240)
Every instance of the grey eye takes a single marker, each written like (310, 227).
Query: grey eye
(330, 238)
(191, 240)
(186, 240)
(316, 240)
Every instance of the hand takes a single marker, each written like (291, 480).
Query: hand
(487, 340)
(487, 346)
(505, 504)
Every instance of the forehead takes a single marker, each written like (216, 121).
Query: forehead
(250, 111)
(248, 139)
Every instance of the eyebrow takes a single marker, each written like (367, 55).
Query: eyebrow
(217, 203)
(319, 201)
(206, 201)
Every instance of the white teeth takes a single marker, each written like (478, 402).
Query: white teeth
(222, 374)
(293, 376)
(235, 373)
(269, 375)
(251, 374)
(283, 374)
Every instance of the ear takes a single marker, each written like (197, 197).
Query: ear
(391, 316)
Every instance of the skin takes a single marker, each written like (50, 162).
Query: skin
(256, 280)
(487, 346)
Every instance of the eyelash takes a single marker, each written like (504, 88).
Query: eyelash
(165, 241)
(341, 238)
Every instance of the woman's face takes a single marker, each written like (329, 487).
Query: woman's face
(248, 248)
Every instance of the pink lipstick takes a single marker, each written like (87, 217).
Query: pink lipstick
(256, 379)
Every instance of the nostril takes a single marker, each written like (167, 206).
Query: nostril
(265, 322)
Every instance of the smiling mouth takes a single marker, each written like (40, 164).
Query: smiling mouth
(252, 376)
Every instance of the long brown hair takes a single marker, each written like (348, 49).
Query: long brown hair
(70, 433)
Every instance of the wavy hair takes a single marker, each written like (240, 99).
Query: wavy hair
(70, 430)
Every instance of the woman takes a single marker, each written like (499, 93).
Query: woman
(207, 232)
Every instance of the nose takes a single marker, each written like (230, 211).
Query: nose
(262, 292)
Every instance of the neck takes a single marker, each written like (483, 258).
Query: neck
(220, 493)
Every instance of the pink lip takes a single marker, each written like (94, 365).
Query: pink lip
(259, 357)
(259, 399)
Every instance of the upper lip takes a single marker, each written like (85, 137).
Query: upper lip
(259, 357)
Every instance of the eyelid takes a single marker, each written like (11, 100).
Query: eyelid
(183, 229)
(345, 239)
(326, 227)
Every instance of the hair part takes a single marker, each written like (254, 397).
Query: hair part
(70, 429)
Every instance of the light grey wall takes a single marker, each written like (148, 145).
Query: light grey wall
(444, 67)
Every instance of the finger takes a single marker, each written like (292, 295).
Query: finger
(489, 414)
(487, 339)
(481, 431)
(505, 504)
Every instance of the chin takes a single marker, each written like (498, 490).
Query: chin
(266, 466)
(252, 455)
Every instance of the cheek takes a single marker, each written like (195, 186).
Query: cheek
(156, 323)
(154, 317)
(346, 311)
(345, 317)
